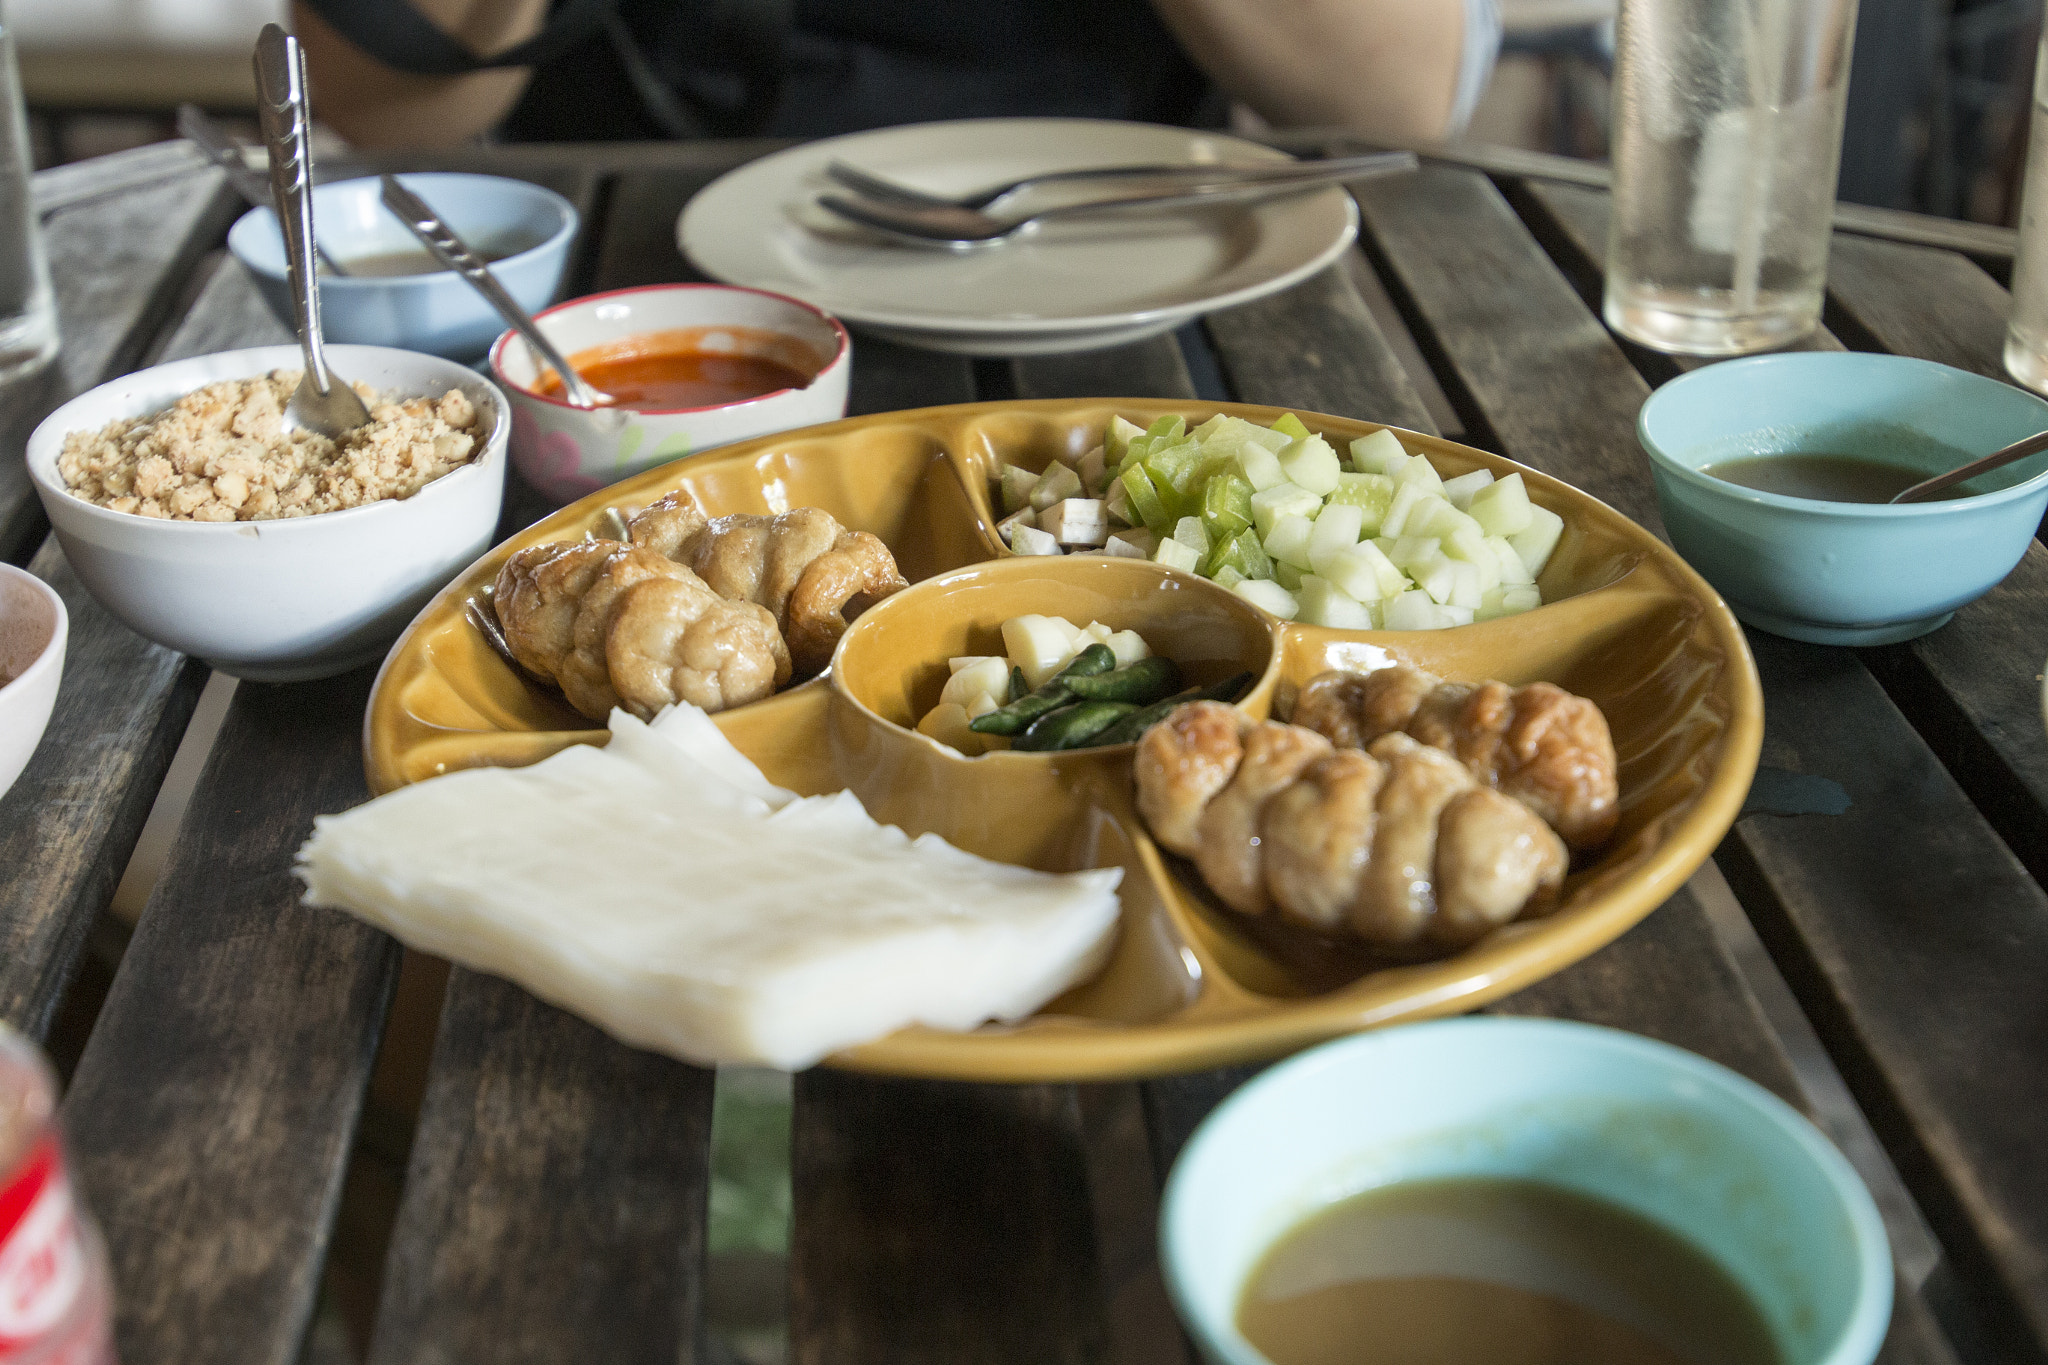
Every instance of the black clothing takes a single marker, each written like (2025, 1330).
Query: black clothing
(648, 69)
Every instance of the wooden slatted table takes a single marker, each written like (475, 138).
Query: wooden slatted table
(1882, 966)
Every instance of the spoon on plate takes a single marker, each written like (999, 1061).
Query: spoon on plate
(445, 246)
(2018, 450)
(323, 401)
(1207, 173)
(953, 227)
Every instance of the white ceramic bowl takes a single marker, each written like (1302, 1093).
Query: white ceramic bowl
(567, 451)
(1668, 1135)
(528, 227)
(293, 598)
(33, 628)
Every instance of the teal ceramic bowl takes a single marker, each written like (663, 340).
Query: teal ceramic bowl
(1841, 573)
(525, 229)
(1672, 1137)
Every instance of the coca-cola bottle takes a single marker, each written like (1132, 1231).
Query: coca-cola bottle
(56, 1304)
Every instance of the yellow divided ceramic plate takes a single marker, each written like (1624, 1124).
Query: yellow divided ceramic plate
(1191, 984)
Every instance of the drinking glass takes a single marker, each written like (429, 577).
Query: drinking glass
(1727, 138)
(2026, 339)
(28, 312)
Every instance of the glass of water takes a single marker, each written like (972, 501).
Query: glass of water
(1727, 137)
(2026, 339)
(28, 312)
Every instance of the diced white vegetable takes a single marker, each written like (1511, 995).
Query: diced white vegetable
(1465, 586)
(1408, 551)
(1269, 596)
(1056, 483)
(1406, 497)
(1289, 539)
(1275, 441)
(960, 661)
(984, 703)
(1469, 544)
(1076, 521)
(1136, 543)
(1455, 615)
(1039, 645)
(1512, 570)
(1420, 472)
(1379, 453)
(1117, 502)
(1434, 516)
(1503, 508)
(1535, 544)
(1310, 463)
(1017, 485)
(1324, 604)
(1521, 599)
(1337, 526)
(1436, 576)
(990, 675)
(1270, 504)
(1362, 572)
(1094, 472)
(1027, 539)
(1227, 577)
(1128, 646)
(1174, 555)
(1095, 633)
(1261, 467)
(1461, 489)
(1190, 532)
(1287, 576)
(1415, 611)
(1022, 517)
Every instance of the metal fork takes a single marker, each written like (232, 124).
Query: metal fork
(875, 187)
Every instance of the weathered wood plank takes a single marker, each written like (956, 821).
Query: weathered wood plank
(116, 262)
(551, 1212)
(1919, 300)
(1138, 370)
(212, 1112)
(939, 1222)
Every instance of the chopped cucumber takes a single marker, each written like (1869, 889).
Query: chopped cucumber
(1379, 453)
(1289, 539)
(1227, 577)
(1513, 571)
(1415, 611)
(1420, 472)
(1535, 544)
(1144, 500)
(1226, 505)
(1017, 485)
(1408, 551)
(1117, 502)
(1269, 596)
(1337, 526)
(1311, 464)
(1461, 489)
(1372, 494)
(1174, 555)
(1270, 504)
(1117, 438)
(1406, 497)
(1325, 604)
(1287, 576)
(1243, 553)
(1503, 508)
(1094, 471)
(1437, 577)
(1465, 585)
(1190, 532)
(1057, 483)
(1136, 543)
(1027, 539)
(1508, 601)
(1362, 572)
(1261, 467)
(1288, 425)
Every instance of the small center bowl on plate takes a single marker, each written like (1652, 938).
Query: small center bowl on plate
(1841, 573)
(567, 451)
(1672, 1137)
(526, 227)
(33, 627)
(295, 597)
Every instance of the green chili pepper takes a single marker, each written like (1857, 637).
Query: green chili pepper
(1138, 722)
(1072, 727)
(1143, 682)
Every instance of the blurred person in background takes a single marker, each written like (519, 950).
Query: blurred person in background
(435, 72)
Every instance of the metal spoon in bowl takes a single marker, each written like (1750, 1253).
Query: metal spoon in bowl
(323, 401)
(2018, 450)
(450, 250)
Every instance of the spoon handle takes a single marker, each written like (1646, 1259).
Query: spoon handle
(2018, 450)
(281, 108)
(226, 153)
(450, 250)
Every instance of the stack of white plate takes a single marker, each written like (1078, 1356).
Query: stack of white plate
(1068, 285)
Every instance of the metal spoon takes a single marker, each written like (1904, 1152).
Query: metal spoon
(225, 152)
(323, 401)
(964, 229)
(450, 250)
(1212, 173)
(2018, 450)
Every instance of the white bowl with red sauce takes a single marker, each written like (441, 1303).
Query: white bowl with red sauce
(690, 366)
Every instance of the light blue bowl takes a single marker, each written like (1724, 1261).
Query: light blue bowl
(1671, 1136)
(1842, 573)
(436, 312)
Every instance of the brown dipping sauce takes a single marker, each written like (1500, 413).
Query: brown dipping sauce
(1824, 477)
(1489, 1271)
(691, 367)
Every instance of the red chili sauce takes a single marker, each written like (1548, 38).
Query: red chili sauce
(693, 367)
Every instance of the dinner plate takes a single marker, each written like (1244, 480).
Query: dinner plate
(1190, 984)
(1065, 286)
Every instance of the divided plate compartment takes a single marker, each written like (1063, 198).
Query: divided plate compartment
(1190, 984)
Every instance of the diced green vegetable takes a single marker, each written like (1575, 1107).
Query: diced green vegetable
(1056, 484)
(1227, 577)
(1289, 539)
(1324, 604)
(1016, 484)
(1406, 497)
(1269, 596)
(1144, 500)
(1420, 472)
(1190, 532)
(1226, 505)
(1311, 464)
(1372, 494)
(1243, 553)
(1175, 555)
(1337, 528)
(1261, 467)
(1513, 572)
(1270, 504)
(1415, 611)
(1535, 544)
(1288, 425)
(1379, 453)
(1287, 576)
(1503, 507)
(1461, 489)
(1117, 438)
(1094, 471)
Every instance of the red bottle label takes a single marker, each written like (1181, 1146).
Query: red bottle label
(42, 1257)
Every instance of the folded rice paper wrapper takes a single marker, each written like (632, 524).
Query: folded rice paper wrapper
(663, 889)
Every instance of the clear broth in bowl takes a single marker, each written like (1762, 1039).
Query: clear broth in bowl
(1825, 477)
(1494, 1271)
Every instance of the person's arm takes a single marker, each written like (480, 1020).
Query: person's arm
(374, 106)
(1386, 68)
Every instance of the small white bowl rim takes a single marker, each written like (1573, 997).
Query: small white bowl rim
(571, 221)
(52, 652)
(1822, 507)
(1862, 1334)
(494, 449)
(839, 356)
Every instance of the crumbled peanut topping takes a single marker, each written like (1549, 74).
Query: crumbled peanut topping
(222, 453)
